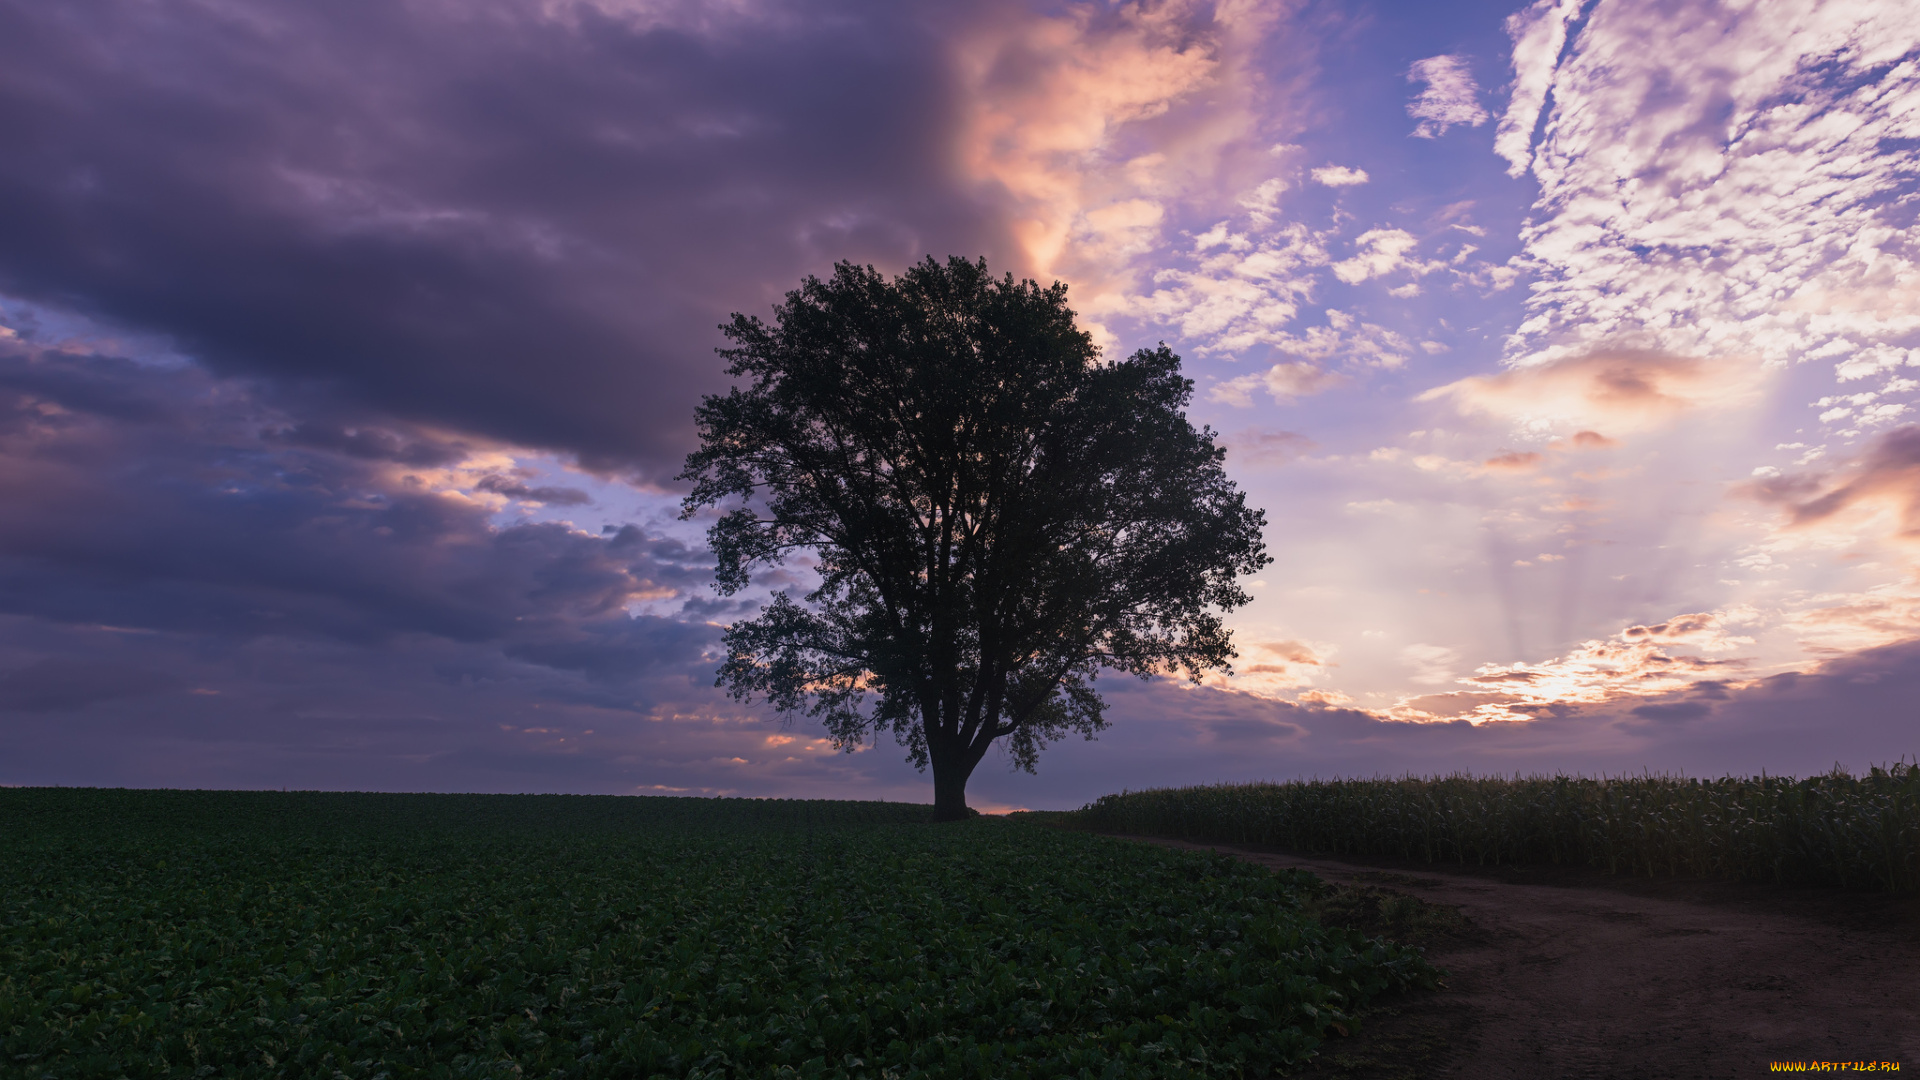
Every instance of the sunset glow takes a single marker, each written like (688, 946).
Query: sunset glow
(348, 358)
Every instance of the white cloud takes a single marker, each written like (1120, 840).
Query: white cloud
(1379, 252)
(1751, 216)
(1724, 214)
(1245, 280)
(1869, 362)
(1239, 289)
(1339, 176)
(1539, 35)
(1263, 203)
(1432, 664)
(1450, 96)
(1688, 248)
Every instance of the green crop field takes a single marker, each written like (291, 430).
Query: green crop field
(149, 934)
(1837, 829)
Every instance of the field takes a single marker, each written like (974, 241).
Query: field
(1851, 831)
(267, 934)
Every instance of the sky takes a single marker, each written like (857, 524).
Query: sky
(349, 352)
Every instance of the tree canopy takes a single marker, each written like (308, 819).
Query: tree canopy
(995, 514)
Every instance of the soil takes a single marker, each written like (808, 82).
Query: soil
(1557, 972)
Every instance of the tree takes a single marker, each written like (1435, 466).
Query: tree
(996, 515)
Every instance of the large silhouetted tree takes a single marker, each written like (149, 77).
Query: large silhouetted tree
(995, 513)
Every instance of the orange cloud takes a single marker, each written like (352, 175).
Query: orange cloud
(1890, 472)
(1274, 666)
(1847, 623)
(1452, 705)
(1624, 389)
(1093, 122)
(1638, 662)
(1330, 699)
(1293, 652)
(1584, 440)
(1514, 460)
(1703, 629)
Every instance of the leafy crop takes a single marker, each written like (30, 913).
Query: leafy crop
(269, 934)
(1838, 829)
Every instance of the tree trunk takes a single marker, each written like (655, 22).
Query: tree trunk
(950, 772)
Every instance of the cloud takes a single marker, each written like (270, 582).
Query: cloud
(1838, 623)
(1621, 390)
(1254, 445)
(1349, 339)
(1692, 256)
(1338, 176)
(1878, 360)
(244, 533)
(521, 224)
(1703, 630)
(1637, 662)
(62, 685)
(296, 643)
(1514, 460)
(1262, 204)
(1283, 382)
(1379, 252)
(1432, 664)
(1588, 440)
(1165, 735)
(1863, 515)
(1088, 125)
(1677, 710)
(1889, 473)
(1596, 672)
(515, 487)
(1539, 34)
(1236, 291)
(421, 713)
(1750, 219)
(198, 588)
(323, 373)
(1449, 98)
(1271, 667)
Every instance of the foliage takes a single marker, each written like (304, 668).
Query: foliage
(1858, 832)
(996, 515)
(267, 934)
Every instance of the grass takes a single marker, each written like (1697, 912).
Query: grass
(1837, 829)
(187, 934)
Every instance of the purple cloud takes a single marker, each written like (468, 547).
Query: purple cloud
(515, 220)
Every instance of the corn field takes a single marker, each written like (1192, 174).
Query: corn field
(1838, 829)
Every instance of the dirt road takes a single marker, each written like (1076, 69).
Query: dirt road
(1571, 974)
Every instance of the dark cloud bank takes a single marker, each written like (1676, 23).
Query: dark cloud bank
(390, 235)
(479, 215)
(385, 236)
(178, 558)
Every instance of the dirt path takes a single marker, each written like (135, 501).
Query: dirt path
(1579, 975)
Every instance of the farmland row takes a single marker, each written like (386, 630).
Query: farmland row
(1836, 829)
